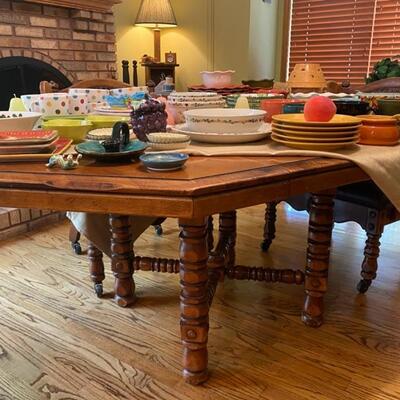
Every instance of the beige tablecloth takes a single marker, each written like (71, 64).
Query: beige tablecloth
(381, 163)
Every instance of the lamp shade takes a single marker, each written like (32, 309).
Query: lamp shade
(156, 14)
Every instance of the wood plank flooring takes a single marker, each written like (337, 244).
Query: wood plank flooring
(58, 341)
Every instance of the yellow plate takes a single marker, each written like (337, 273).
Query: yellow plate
(351, 138)
(316, 134)
(312, 146)
(298, 119)
(310, 129)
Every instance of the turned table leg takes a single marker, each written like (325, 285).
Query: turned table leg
(370, 262)
(194, 299)
(269, 225)
(318, 251)
(96, 268)
(122, 260)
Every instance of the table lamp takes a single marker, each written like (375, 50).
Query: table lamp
(156, 14)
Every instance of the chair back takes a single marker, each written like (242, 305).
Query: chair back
(51, 87)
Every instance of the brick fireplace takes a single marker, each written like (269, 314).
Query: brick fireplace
(76, 38)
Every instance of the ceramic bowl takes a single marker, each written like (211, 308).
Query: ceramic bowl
(164, 161)
(351, 107)
(74, 129)
(179, 97)
(293, 108)
(379, 130)
(105, 121)
(92, 95)
(388, 106)
(18, 120)
(177, 109)
(217, 79)
(254, 99)
(275, 106)
(54, 103)
(224, 120)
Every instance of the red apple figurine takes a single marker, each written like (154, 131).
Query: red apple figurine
(319, 109)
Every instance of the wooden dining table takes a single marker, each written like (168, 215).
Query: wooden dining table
(204, 187)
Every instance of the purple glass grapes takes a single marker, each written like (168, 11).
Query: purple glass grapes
(149, 117)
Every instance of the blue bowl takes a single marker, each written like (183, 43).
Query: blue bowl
(293, 108)
(163, 161)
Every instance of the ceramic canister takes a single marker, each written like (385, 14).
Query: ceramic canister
(92, 95)
(78, 104)
(54, 103)
(31, 102)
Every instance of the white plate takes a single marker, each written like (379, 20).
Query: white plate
(226, 138)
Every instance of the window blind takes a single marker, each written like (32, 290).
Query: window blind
(385, 40)
(345, 36)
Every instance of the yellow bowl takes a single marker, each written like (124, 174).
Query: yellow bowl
(70, 128)
(105, 121)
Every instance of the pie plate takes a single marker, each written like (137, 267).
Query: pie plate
(315, 134)
(94, 149)
(312, 146)
(224, 138)
(310, 129)
(163, 161)
(298, 119)
(301, 139)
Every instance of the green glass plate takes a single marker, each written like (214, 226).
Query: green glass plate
(94, 149)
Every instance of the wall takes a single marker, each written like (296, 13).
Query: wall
(211, 35)
(263, 39)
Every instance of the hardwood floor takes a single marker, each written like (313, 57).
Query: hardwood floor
(58, 341)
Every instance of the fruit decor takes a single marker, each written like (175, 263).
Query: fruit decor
(386, 68)
(150, 116)
(319, 109)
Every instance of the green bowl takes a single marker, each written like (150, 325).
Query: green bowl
(105, 121)
(74, 129)
(388, 106)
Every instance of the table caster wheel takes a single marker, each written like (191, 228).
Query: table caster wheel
(363, 285)
(77, 248)
(159, 230)
(98, 288)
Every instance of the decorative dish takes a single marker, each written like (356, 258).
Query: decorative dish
(164, 161)
(18, 120)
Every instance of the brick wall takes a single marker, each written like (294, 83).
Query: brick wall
(81, 44)
(14, 222)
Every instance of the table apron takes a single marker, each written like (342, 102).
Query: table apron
(176, 207)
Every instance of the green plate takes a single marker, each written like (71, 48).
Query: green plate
(94, 149)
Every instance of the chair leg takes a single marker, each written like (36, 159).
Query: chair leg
(269, 227)
(96, 268)
(370, 263)
(74, 237)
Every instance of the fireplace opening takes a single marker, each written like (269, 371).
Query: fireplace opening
(22, 75)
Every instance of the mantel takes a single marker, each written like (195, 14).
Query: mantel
(90, 5)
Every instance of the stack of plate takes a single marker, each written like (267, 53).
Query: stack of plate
(37, 145)
(224, 125)
(167, 141)
(294, 131)
(179, 102)
(116, 112)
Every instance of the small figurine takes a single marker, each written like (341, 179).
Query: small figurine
(146, 59)
(64, 161)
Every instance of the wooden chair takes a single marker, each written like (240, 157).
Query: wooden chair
(50, 87)
(363, 203)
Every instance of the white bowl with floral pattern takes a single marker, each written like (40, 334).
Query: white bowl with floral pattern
(224, 120)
